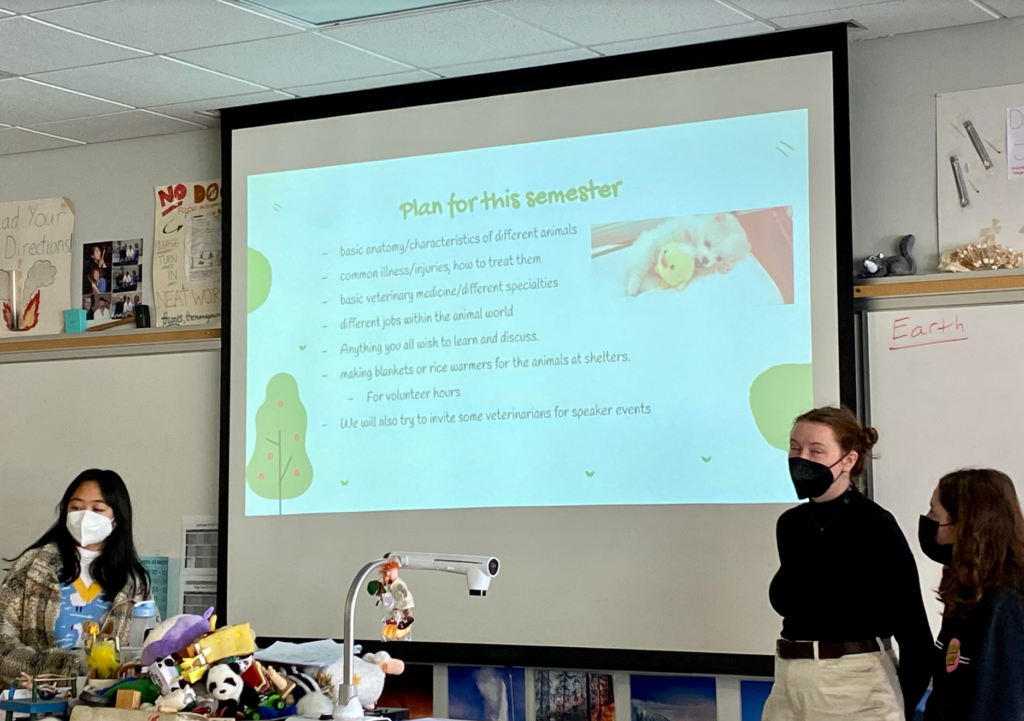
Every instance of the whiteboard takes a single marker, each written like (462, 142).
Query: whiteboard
(945, 393)
(155, 419)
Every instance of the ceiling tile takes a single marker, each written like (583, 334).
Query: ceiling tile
(293, 60)
(690, 38)
(27, 47)
(147, 81)
(118, 126)
(450, 37)
(1009, 8)
(893, 18)
(529, 61)
(35, 6)
(592, 22)
(15, 140)
(26, 103)
(190, 111)
(377, 81)
(781, 8)
(163, 26)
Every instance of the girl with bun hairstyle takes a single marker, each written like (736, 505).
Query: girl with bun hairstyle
(846, 587)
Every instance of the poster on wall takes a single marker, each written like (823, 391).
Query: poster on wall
(979, 171)
(111, 280)
(35, 265)
(187, 254)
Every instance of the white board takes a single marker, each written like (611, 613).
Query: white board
(945, 393)
(155, 419)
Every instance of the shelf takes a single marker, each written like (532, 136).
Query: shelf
(110, 343)
(992, 280)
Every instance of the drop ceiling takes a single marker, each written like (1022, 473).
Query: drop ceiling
(74, 72)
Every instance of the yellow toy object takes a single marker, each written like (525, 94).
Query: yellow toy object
(223, 643)
(674, 266)
(103, 659)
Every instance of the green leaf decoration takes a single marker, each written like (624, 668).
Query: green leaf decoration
(373, 588)
(279, 467)
(777, 397)
(260, 278)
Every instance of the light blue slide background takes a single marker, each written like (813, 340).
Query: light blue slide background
(693, 369)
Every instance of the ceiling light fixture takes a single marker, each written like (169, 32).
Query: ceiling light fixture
(324, 13)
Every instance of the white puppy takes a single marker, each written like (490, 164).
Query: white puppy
(640, 275)
(716, 241)
(721, 243)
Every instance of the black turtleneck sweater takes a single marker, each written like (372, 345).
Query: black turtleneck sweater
(847, 574)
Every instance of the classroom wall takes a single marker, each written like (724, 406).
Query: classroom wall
(52, 423)
(111, 184)
(893, 83)
(154, 419)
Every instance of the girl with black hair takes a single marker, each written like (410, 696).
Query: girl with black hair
(85, 568)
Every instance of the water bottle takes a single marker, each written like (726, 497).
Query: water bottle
(143, 621)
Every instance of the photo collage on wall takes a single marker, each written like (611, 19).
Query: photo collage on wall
(111, 280)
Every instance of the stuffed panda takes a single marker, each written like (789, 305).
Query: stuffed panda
(235, 699)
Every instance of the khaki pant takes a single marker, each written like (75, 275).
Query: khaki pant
(862, 686)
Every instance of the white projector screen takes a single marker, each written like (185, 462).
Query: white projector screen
(566, 325)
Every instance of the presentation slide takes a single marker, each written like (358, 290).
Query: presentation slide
(621, 318)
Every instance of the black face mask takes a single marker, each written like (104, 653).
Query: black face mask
(927, 530)
(811, 479)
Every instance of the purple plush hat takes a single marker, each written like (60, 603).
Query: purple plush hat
(174, 634)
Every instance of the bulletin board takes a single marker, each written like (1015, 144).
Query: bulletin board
(980, 136)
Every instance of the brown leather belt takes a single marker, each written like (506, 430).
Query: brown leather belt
(805, 649)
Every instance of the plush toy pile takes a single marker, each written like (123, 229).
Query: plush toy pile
(189, 665)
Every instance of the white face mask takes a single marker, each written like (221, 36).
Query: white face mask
(89, 527)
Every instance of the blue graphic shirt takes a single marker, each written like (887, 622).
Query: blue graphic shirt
(80, 602)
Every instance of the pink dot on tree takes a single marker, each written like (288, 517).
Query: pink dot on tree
(280, 404)
(296, 473)
(260, 476)
(270, 456)
(295, 437)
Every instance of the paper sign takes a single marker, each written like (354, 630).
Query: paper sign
(1015, 143)
(187, 254)
(35, 265)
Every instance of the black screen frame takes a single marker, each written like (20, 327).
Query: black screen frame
(830, 38)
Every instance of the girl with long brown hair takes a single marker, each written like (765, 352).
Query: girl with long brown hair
(847, 585)
(975, 529)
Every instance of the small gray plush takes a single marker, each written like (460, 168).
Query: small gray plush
(878, 266)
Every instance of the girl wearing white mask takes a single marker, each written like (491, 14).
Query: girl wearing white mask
(85, 568)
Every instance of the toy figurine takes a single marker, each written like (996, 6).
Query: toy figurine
(393, 593)
(878, 266)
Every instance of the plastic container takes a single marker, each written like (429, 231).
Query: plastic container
(143, 621)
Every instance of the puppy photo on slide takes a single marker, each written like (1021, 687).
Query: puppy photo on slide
(677, 253)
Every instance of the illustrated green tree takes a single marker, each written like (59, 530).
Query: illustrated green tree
(259, 280)
(279, 467)
(777, 397)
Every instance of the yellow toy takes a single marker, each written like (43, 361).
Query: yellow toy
(223, 643)
(102, 650)
(674, 266)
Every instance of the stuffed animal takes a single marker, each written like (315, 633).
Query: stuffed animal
(165, 674)
(674, 266)
(176, 700)
(234, 698)
(174, 634)
(369, 671)
(878, 266)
